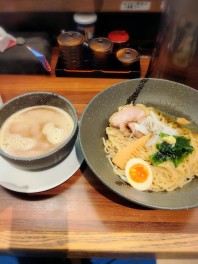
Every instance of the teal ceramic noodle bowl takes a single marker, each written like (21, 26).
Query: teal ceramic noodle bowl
(34, 99)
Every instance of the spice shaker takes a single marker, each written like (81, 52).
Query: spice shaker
(85, 24)
(100, 48)
(127, 56)
(71, 49)
(119, 38)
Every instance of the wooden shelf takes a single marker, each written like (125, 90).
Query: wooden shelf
(81, 6)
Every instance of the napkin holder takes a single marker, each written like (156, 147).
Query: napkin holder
(19, 60)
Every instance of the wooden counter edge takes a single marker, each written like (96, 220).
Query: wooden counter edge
(85, 245)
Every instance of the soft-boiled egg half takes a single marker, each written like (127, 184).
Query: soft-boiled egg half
(139, 174)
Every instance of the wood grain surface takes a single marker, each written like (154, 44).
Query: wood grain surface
(72, 6)
(82, 217)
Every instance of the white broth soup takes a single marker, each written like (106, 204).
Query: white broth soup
(35, 131)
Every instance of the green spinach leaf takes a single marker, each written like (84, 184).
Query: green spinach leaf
(176, 153)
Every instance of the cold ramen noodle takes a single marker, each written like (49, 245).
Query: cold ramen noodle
(149, 151)
(35, 131)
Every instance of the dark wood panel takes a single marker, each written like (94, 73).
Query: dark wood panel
(80, 6)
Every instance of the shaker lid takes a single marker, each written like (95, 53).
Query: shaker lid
(70, 38)
(100, 44)
(118, 36)
(127, 55)
(85, 18)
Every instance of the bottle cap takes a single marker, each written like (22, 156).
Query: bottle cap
(85, 18)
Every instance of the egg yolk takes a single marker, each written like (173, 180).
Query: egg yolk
(138, 173)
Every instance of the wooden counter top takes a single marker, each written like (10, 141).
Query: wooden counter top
(82, 217)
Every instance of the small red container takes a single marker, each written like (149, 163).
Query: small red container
(120, 39)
